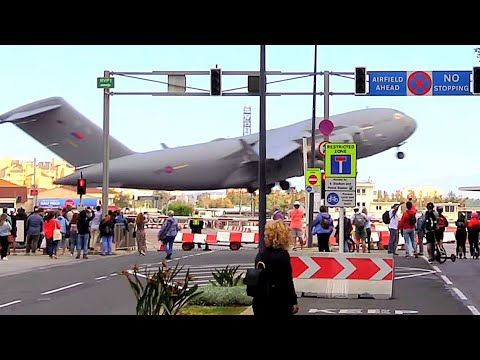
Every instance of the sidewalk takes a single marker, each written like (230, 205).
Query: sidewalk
(20, 263)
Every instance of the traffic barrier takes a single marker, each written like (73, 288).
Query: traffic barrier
(232, 239)
(343, 275)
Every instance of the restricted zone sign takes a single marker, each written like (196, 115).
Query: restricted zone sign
(312, 177)
(341, 160)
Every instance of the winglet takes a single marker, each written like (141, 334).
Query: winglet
(164, 146)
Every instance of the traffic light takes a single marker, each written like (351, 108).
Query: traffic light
(476, 80)
(81, 186)
(216, 82)
(324, 177)
(360, 81)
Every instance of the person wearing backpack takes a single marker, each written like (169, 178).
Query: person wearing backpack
(442, 225)
(430, 230)
(168, 232)
(461, 235)
(420, 228)
(473, 229)
(359, 220)
(368, 228)
(322, 226)
(393, 228)
(407, 227)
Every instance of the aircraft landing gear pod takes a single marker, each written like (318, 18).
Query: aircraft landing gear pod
(400, 154)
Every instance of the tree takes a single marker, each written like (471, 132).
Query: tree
(121, 200)
(180, 208)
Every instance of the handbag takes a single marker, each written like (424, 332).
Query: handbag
(254, 279)
(57, 234)
(10, 238)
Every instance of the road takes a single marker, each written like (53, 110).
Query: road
(94, 286)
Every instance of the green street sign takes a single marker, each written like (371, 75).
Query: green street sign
(105, 83)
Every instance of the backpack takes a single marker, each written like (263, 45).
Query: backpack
(256, 279)
(325, 222)
(386, 217)
(460, 225)
(359, 221)
(430, 222)
(73, 229)
(412, 220)
(442, 221)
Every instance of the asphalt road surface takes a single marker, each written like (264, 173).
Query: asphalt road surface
(95, 287)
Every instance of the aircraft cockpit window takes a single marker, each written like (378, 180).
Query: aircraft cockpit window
(398, 116)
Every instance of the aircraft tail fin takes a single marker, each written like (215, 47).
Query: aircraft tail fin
(57, 125)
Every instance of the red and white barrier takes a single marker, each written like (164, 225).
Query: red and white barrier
(227, 238)
(343, 275)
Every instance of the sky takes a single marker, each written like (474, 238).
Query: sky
(441, 152)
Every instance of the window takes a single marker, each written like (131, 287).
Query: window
(358, 191)
(363, 204)
(363, 191)
(374, 193)
(378, 207)
(358, 204)
(450, 208)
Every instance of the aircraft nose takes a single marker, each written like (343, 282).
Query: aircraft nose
(408, 124)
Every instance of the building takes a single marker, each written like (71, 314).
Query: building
(11, 195)
(65, 195)
(22, 172)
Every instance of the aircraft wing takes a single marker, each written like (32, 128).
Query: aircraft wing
(281, 142)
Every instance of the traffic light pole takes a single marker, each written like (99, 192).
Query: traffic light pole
(262, 184)
(106, 146)
(175, 88)
(311, 198)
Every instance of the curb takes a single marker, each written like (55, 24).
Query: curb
(249, 311)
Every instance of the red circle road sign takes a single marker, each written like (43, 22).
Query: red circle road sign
(69, 202)
(312, 179)
(321, 147)
(419, 83)
(326, 127)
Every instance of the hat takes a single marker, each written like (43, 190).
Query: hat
(296, 203)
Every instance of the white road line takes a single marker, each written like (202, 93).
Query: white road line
(10, 303)
(437, 269)
(101, 277)
(446, 279)
(62, 288)
(473, 309)
(114, 274)
(414, 275)
(459, 293)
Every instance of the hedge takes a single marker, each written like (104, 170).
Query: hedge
(222, 296)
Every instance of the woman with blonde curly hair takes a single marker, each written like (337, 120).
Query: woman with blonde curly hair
(278, 297)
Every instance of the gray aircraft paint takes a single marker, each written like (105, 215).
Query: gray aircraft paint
(218, 164)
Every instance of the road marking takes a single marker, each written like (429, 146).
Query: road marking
(459, 293)
(446, 279)
(437, 269)
(62, 288)
(473, 309)
(10, 303)
(114, 274)
(414, 275)
(101, 277)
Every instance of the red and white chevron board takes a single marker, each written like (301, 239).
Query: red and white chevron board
(221, 237)
(342, 268)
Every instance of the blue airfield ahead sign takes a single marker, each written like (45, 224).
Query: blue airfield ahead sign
(403, 83)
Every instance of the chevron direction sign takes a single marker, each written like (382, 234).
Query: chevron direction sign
(342, 267)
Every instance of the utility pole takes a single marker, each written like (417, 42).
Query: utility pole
(262, 200)
(311, 198)
(35, 197)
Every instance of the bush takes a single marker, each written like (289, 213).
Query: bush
(222, 296)
(226, 277)
(160, 293)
